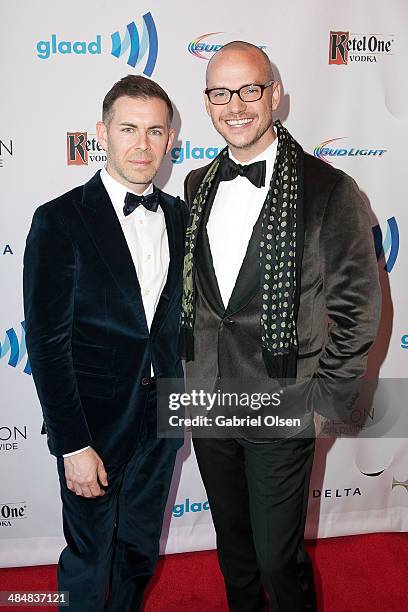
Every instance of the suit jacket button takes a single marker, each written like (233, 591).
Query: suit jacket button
(145, 381)
(228, 321)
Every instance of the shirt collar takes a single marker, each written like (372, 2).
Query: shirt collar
(117, 192)
(269, 155)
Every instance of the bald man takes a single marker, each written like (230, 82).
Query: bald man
(278, 243)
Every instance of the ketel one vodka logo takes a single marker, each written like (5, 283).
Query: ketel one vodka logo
(345, 47)
(83, 148)
(11, 512)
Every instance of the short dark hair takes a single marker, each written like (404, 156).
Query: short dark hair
(135, 86)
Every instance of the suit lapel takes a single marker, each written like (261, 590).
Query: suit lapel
(249, 276)
(204, 260)
(174, 273)
(248, 280)
(103, 226)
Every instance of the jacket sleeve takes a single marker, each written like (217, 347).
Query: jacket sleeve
(351, 284)
(187, 189)
(49, 284)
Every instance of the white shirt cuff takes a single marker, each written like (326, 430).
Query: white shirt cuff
(76, 452)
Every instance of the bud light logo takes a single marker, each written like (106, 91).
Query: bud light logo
(203, 49)
(326, 150)
(15, 349)
(138, 48)
(197, 47)
(390, 245)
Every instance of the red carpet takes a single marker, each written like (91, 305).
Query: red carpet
(354, 574)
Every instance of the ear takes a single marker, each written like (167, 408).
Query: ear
(170, 140)
(276, 94)
(102, 135)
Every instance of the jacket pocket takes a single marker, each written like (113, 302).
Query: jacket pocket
(91, 384)
(91, 357)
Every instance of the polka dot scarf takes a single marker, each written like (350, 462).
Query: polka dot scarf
(281, 250)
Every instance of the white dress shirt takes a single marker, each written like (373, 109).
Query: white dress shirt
(235, 210)
(146, 236)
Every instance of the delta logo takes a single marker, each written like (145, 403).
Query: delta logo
(326, 150)
(131, 44)
(346, 47)
(83, 148)
(204, 49)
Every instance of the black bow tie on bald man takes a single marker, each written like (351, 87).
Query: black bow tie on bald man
(132, 201)
(253, 172)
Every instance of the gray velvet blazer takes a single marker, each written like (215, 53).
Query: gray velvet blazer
(340, 294)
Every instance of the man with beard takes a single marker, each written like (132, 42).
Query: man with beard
(277, 242)
(102, 289)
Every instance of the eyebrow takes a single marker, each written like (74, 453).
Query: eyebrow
(133, 125)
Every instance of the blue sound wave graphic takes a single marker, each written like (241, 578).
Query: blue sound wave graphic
(138, 48)
(16, 349)
(390, 245)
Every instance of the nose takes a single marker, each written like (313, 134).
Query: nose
(142, 141)
(236, 105)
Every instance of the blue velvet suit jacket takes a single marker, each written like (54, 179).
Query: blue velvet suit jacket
(87, 338)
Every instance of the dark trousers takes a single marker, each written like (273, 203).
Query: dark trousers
(115, 538)
(258, 499)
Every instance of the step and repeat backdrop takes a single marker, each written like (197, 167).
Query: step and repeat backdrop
(343, 74)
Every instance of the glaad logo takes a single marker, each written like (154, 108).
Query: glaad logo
(187, 506)
(345, 47)
(324, 150)
(138, 48)
(16, 349)
(181, 154)
(5, 149)
(197, 47)
(390, 245)
(12, 512)
(81, 150)
(10, 436)
(46, 48)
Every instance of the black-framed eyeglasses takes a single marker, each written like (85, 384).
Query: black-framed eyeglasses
(247, 93)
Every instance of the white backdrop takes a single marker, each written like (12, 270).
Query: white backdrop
(59, 60)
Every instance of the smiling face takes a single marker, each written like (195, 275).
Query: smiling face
(247, 127)
(136, 138)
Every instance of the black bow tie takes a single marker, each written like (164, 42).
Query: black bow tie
(253, 172)
(132, 201)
